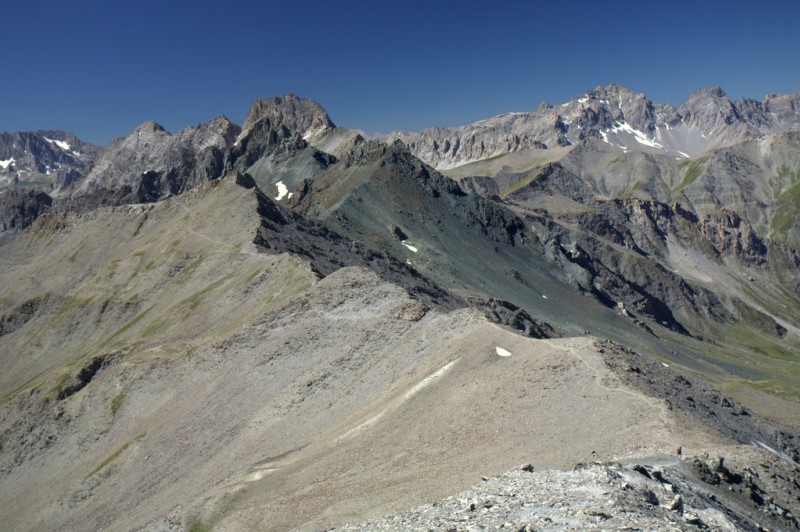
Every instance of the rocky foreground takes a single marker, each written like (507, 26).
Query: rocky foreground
(747, 490)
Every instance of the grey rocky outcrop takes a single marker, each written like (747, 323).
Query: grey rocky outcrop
(297, 114)
(43, 160)
(699, 494)
(19, 208)
(304, 117)
(152, 163)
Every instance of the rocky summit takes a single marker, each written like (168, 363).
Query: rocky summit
(581, 316)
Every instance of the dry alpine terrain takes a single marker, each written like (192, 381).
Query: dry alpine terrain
(289, 326)
(291, 400)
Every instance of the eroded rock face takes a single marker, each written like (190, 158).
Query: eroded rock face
(151, 163)
(305, 117)
(621, 251)
(451, 147)
(19, 208)
(43, 160)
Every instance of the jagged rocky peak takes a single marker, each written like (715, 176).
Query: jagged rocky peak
(786, 102)
(221, 128)
(302, 116)
(145, 132)
(707, 104)
(149, 126)
(714, 91)
(43, 160)
(225, 127)
(66, 141)
(721, 123)
(613, 91)
(32, 142)
(607, 108)
(784, 109)
(151, 163)
(219, 132)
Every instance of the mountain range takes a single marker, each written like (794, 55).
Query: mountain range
(617, 116)
(293, 324)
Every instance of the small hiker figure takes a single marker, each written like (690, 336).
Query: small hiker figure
(679, 453)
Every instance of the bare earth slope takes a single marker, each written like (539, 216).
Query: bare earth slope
(216, 358)
(291, 400)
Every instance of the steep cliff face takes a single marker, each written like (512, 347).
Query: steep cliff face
(151, 163)
(19, 208)
(305, 117)
(450, 147)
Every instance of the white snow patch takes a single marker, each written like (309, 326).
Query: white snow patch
(686, 155)
(282, 191)
(8, 162)
(583, 100)
(665, 365)
(312, 132)
(640, 137)
(60, 143)
(544, 296)
(409, 246)
(502, 352)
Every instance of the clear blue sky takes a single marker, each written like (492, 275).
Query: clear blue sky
(98, 69)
